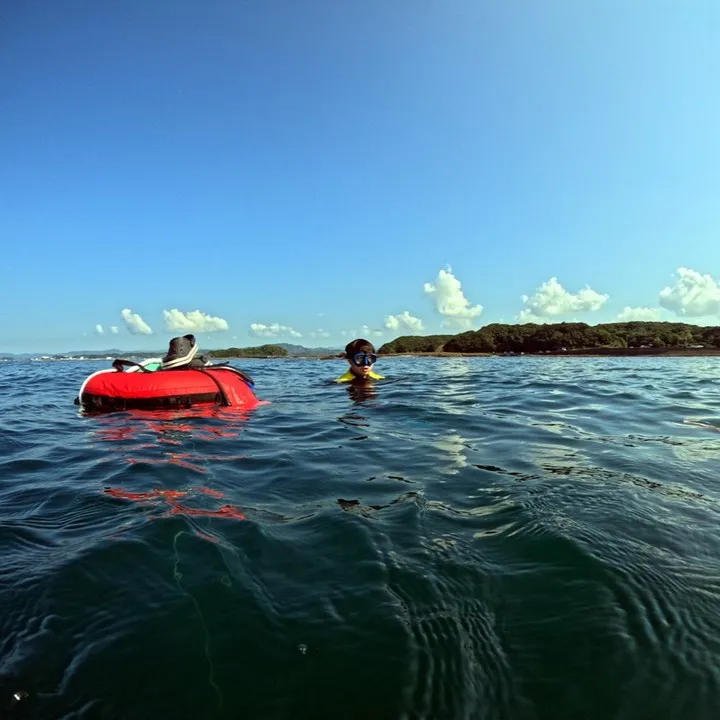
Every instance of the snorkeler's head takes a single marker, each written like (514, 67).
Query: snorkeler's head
(361, 355)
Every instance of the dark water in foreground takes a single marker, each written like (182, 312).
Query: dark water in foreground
(484, 538)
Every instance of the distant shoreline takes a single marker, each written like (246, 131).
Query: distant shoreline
(589, 352)
(619, 338)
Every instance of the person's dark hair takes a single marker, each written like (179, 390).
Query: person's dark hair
(359, 345)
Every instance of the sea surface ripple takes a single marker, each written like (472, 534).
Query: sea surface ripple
(520, 538)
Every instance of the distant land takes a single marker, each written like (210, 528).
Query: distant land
(274, 350)
(629, 338)
(266, 350)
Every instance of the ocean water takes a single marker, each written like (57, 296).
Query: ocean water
(475, 538)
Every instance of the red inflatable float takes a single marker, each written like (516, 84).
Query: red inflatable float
(129, 385)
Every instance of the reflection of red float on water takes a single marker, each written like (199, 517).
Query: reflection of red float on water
(153, 494)
(172, 427)
(182, 459)
(225, 511)
(212, 493)
(171, 497)
(174, 458)
(168, 431)
(166, 425)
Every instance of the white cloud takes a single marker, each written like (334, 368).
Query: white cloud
(320, 334)
(692, 295)
(99, 329)
(367, 332)
(134, 323)
(644, 314)
(193, 321)
(404, 320)
(114, 329)
(552, 299)
(450, 300)
(273, 330)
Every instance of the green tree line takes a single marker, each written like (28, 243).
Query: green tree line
(257, 351)
(532, 337)
(416, 344)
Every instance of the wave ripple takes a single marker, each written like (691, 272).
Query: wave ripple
(474, 538)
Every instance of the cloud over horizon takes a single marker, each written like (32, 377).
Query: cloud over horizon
(639, 314)
(405, 320)
(552, 299)
(273, 330)
(692, 295)
(193, 321)
(367, 332)
(134, 323)
(689, 296)
(450, 300)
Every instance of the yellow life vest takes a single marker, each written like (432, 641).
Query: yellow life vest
(349, 376)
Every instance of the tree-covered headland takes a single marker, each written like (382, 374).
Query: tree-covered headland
(263, 351)
(561, 337)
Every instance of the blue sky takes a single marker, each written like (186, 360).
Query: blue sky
(311, 168)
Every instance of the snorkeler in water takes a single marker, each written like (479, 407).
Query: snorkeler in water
(361, 356)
